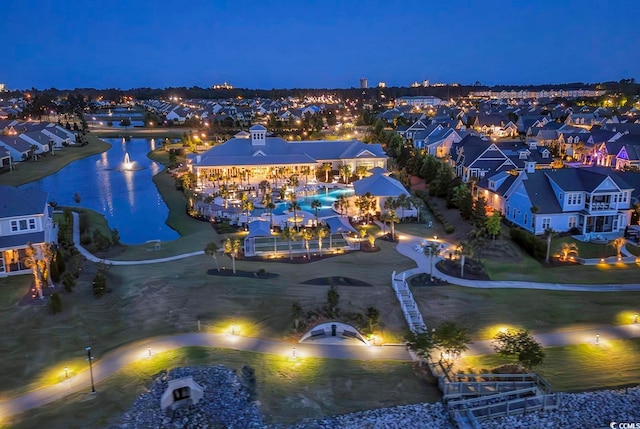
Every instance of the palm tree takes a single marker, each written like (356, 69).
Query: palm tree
(270, 206)
(264, 186)
(294, 207)
(321, 233)
(247, 206)
(32, 261)
(434, 252)
(370, 204)
(343, 204)
(315, 205)
(224, 193)
(392, 218)
(567, 249)
(618, 244)
(345, 171)
(290, 235)
(47, 257)
(326, 169)
(231, 248)
(211, 249)
(549, 233)
(403, 202)
(307, 235)
(361, 170)
(306, 170)
(464, 249)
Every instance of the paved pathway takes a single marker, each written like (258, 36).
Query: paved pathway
(407, 247)
(115, 360)
(91, 257)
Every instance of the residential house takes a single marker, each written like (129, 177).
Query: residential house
(436, 140)
(591, 201)
(474, 157)
(25, 217)
(18, 148)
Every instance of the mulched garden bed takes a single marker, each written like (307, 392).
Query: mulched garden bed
(471, 272)
(336, 281)
(239, 273)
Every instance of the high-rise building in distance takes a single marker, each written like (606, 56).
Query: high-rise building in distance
(364, 83)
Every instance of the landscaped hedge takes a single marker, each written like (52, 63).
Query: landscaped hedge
(529, 243)
(448, 227)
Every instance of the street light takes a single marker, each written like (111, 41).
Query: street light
(293, 353)
(597, 338)
(149, 350)
(66, 372)
(90, 358)
(635, 318)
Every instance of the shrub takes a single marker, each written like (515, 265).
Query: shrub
(55, 303)
(100, 241)
(262, 272)
(68, 282)
(84, 222)
(249, 381)
(529, 243)
(99, 284)
(54, 272)
(60, 261)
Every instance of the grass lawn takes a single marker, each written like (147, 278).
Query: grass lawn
(580, 367)
(585, 250)
(168, 298)
(529, 269)
(29, 171)
(484, 310)
(288, 391)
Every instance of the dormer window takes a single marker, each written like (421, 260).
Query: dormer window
(523, 154)
(545, 153)
(492, 185)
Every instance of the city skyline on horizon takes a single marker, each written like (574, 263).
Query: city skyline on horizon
(313, 44)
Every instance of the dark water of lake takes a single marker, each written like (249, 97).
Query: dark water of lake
(128, 199)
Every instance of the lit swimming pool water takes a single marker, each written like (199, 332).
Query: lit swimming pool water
(326, 198)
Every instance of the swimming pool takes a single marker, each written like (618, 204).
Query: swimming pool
(325, 196)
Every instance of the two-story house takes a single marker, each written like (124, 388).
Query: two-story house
(588, 199)
(25, 217)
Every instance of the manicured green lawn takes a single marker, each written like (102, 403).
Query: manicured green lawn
(586, 250)
(288, 391)
(579, 367)
(29, 171)
(484, 310)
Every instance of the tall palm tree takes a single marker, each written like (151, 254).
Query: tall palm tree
(294, 206)
(263, 186)
(464, 249)
(211, 249)
(247, 206)
(270, 206)
(393, 218)
(32, 261)
(315, 205)
(224, 194)
(307, 236)
(345, 171)
(290, 235)
(342, 203)
(231, 248)
(434, 252)
(321, 233)
(549, 233)
(326, 169)
(47, 257)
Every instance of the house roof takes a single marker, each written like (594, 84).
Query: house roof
(379, 185)
(12, 241)
(582, 179)
(259, 228)
(21, 202)
(276, 151)
(338, 224)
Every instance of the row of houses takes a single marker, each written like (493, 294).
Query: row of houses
(22, 140)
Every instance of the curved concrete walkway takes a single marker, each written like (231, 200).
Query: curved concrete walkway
(146, 349)
(91, 257)
(407, 244)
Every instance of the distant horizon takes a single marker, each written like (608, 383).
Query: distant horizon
(315, 43)
(209, 87)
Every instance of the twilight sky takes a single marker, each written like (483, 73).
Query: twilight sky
(308, 43)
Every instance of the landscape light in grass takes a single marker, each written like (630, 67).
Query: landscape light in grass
(233, 329)
(597, 338)
(635, 318)
(149, 351)
(66, 372)
(293, 353)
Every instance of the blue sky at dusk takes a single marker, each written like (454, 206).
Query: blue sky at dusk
(324, 43)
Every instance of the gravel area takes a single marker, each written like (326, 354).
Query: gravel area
(227, 403)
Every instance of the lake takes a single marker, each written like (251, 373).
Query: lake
(127, 198)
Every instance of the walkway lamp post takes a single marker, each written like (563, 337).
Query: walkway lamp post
(597, 338)
(635, 318)
(90, 358)
(66, 372)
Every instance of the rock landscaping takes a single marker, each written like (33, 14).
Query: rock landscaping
(227, 403)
